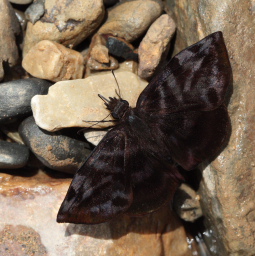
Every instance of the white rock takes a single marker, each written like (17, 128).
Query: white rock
(72, 103)
(95, 136)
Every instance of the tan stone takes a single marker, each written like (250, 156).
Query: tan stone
(52, 61)
(64, 23)
(130, 19)
(228, 186)
(8, 29)
(94, 136)
(72, 103)
(155, 45)
(28, 210)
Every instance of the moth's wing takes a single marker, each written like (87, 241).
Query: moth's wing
(154, 178)
(101, 188)
(184, 102)
(193, 137)
(195, 79)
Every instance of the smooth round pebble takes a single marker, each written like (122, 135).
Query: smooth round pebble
(54, 150)
(13, 155)
(130, 19)
(15, 97)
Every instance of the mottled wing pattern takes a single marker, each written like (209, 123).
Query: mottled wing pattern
(154, 178)
(195, 79)
(101, 188)
(121, 175)
(184, 103)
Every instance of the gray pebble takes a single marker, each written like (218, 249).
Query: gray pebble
(15, 97)
(54, 150)
(13, 155)
(35, 11)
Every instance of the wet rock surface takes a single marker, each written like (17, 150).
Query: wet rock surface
(39, 196)
(54, 150)
(13, 155)
(15, 97)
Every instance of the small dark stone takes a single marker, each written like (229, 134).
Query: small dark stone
(13, 155)
(15, 97)
(118, 47)
(35, 11)
(110, 2)
(54, 150)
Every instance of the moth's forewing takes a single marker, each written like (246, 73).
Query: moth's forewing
(195, 79)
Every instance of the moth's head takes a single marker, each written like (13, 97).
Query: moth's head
(117, 107)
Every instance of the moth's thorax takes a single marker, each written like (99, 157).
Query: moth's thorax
(117, 107)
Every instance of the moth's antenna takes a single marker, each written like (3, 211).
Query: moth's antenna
(118, 93)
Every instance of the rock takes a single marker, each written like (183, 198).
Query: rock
(129, 65)
(227, 188)
(54, 150)
(110, 2)
(15, 97)
(21, 1)
(94, 136)
(118, 47)
(52, 61)
(9, 29)
(11, 131)
(32, 203)
(92, 64)
(21, 18)
(187, 203)
(155, 45)
(100, 54)
(130, 19)
(23, 239)
(35, 11)
(64, 23)
(72, 103)
(13, 155)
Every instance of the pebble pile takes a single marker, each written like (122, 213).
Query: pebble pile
(56, 56)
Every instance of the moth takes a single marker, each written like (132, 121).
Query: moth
(180, 120)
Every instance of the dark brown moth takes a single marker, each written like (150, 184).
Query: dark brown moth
(179, 121)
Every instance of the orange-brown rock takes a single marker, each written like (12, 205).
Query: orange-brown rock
(155, 45)
(52, 61)
(228, 185)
